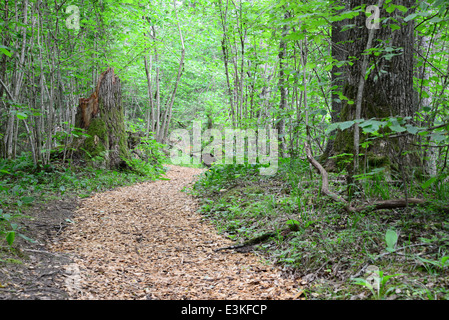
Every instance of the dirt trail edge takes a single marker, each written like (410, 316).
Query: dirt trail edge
(148, 242)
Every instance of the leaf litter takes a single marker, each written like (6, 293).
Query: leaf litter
(148, 241)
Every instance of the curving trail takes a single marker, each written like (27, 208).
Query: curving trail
(148, 242)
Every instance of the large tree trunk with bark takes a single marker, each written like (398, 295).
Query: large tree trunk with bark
(102, 117)
(338, 76)
(388, 88)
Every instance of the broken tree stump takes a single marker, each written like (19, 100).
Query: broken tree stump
(102, 118)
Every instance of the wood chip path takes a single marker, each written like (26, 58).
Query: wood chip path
(147, 241)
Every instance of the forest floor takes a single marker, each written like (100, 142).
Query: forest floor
(145, 241)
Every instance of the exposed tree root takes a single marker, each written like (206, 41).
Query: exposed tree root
(387, 204)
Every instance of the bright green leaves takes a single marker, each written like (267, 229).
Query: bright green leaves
(372, 126)
(346, 15)
(21, 115)
(391, 238)
(392, 127)
(395, 126)
(10, 236)
(293, 224)
(3, 50)
(429, 182)
(340, 125)
(299, 35)
(391, 7)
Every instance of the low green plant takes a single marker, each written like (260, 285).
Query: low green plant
(293, 224)
(391, 238)
(9, 229)
(152, 150)
(439, 264)
(378, 284)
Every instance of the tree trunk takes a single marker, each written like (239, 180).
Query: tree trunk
(103, 118)
(149, 123)
(168, 112)
(388, 89)
(283, 87)
(338, 53)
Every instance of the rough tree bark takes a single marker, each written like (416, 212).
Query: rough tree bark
(388, 89)
(102, 117)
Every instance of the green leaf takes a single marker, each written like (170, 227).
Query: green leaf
(394, 27)
(391, 237)
(363, 282)
(292, 222)
(10, 237)
(411, 129)
(370, 125)
(390, 8)
(346, 124)
(27, 238)
(410, 17)
(397, 128)
(435, 19)
(401, 8)
(332, 127)
(5, 52)
(437, 137)
(27, 200)
(443, 260)
(429, 182)
(21, 115)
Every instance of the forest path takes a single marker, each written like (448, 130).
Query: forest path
(148, 242)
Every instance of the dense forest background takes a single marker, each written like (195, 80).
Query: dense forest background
(244, 64)
(357, 90)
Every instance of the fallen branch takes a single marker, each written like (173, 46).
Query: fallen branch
(325, 180)
(387, 204)
(390, 204)
(250, 242)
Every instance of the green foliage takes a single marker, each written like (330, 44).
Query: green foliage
(323, 238)
(9, 229)
(379, 287)
(231, 78)
(152, 150)
(391, 238)
(23, 184)
(147, 158)
(440, 264)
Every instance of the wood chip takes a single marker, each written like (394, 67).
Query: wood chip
(148, 242)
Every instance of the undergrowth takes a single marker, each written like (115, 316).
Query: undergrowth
(328, 247)
(22, 184)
